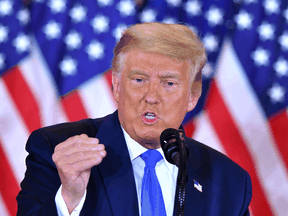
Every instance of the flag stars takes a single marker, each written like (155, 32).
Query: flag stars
(2, 61)
(214, 16)
(148, 15)
(243, 20)
(260, 57)
(281, 67)
(95, 50)
(174, 3)
(52, 30)
(3, 33)
(104, 3)
(193, 8)
(207, 70)
(285, 14)
(250, 1)
(210, 43)
(57, 6)
(118, 31)
(73, 40)
(68, 66)
(100, 24)
(266, 31)
(169, 20)
(271, 6)
(78, 13)
(21, 43)
(23, 16)
(283, 40)
(126, 7)
(276, 93)
(5, 7)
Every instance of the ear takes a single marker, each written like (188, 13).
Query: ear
(193, 100)
(116, 85)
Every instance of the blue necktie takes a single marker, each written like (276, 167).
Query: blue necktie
(152, 203)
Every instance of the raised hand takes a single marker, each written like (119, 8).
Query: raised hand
(74, 159)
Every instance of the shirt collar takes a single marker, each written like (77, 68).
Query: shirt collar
(135, 149)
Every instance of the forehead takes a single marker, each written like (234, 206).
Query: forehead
(136, 60)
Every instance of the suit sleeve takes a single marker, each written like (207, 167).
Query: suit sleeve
(248, 196)
(41, 181)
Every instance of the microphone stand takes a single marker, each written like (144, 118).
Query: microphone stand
(182, 174)
(176, 152)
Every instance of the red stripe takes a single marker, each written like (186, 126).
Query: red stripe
(108, 77)
(23, 98)
(279, 126)
(189, 128)
(73, 106)
(235, 147)
(8, 184)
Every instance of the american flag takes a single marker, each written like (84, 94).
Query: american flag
(55, 60)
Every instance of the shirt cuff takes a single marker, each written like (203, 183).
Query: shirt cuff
(62, 209)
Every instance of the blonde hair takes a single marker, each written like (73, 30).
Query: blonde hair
(173, 40)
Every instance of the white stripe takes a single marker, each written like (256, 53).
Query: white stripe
(3, 210)
(206, 134)
(245, 108)
(97, 97)
(13, 133)
(38, 77)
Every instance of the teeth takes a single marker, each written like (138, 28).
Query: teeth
(149, 116)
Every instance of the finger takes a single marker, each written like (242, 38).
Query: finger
(84, 135)
(79, 138)
(83, 138)
(80, 147)
(80, 156)
(63, 153)
(82, 165)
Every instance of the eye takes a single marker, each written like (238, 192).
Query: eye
(170, 83)
(139, 80)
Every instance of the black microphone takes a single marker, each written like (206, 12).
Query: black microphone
(170, 140)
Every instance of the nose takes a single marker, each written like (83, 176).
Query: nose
(152, 96)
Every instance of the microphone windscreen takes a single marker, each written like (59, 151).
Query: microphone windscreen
(168, 140)
(168, 134)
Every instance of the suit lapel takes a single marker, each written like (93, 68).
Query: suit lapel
(116, 169)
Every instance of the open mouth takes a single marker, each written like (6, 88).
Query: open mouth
(149, 118)
(150, 115)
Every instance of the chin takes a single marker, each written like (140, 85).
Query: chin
(150, 137)
(150, 144)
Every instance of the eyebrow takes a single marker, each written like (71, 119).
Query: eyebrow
(162, 76)
(131, 73)
(169, 75)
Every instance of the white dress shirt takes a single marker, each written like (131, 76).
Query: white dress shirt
(166, 174)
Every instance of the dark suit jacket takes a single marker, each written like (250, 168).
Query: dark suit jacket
(111, 189)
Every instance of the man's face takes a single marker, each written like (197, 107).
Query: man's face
(153, 93)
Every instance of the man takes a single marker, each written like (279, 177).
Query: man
(96, 166)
